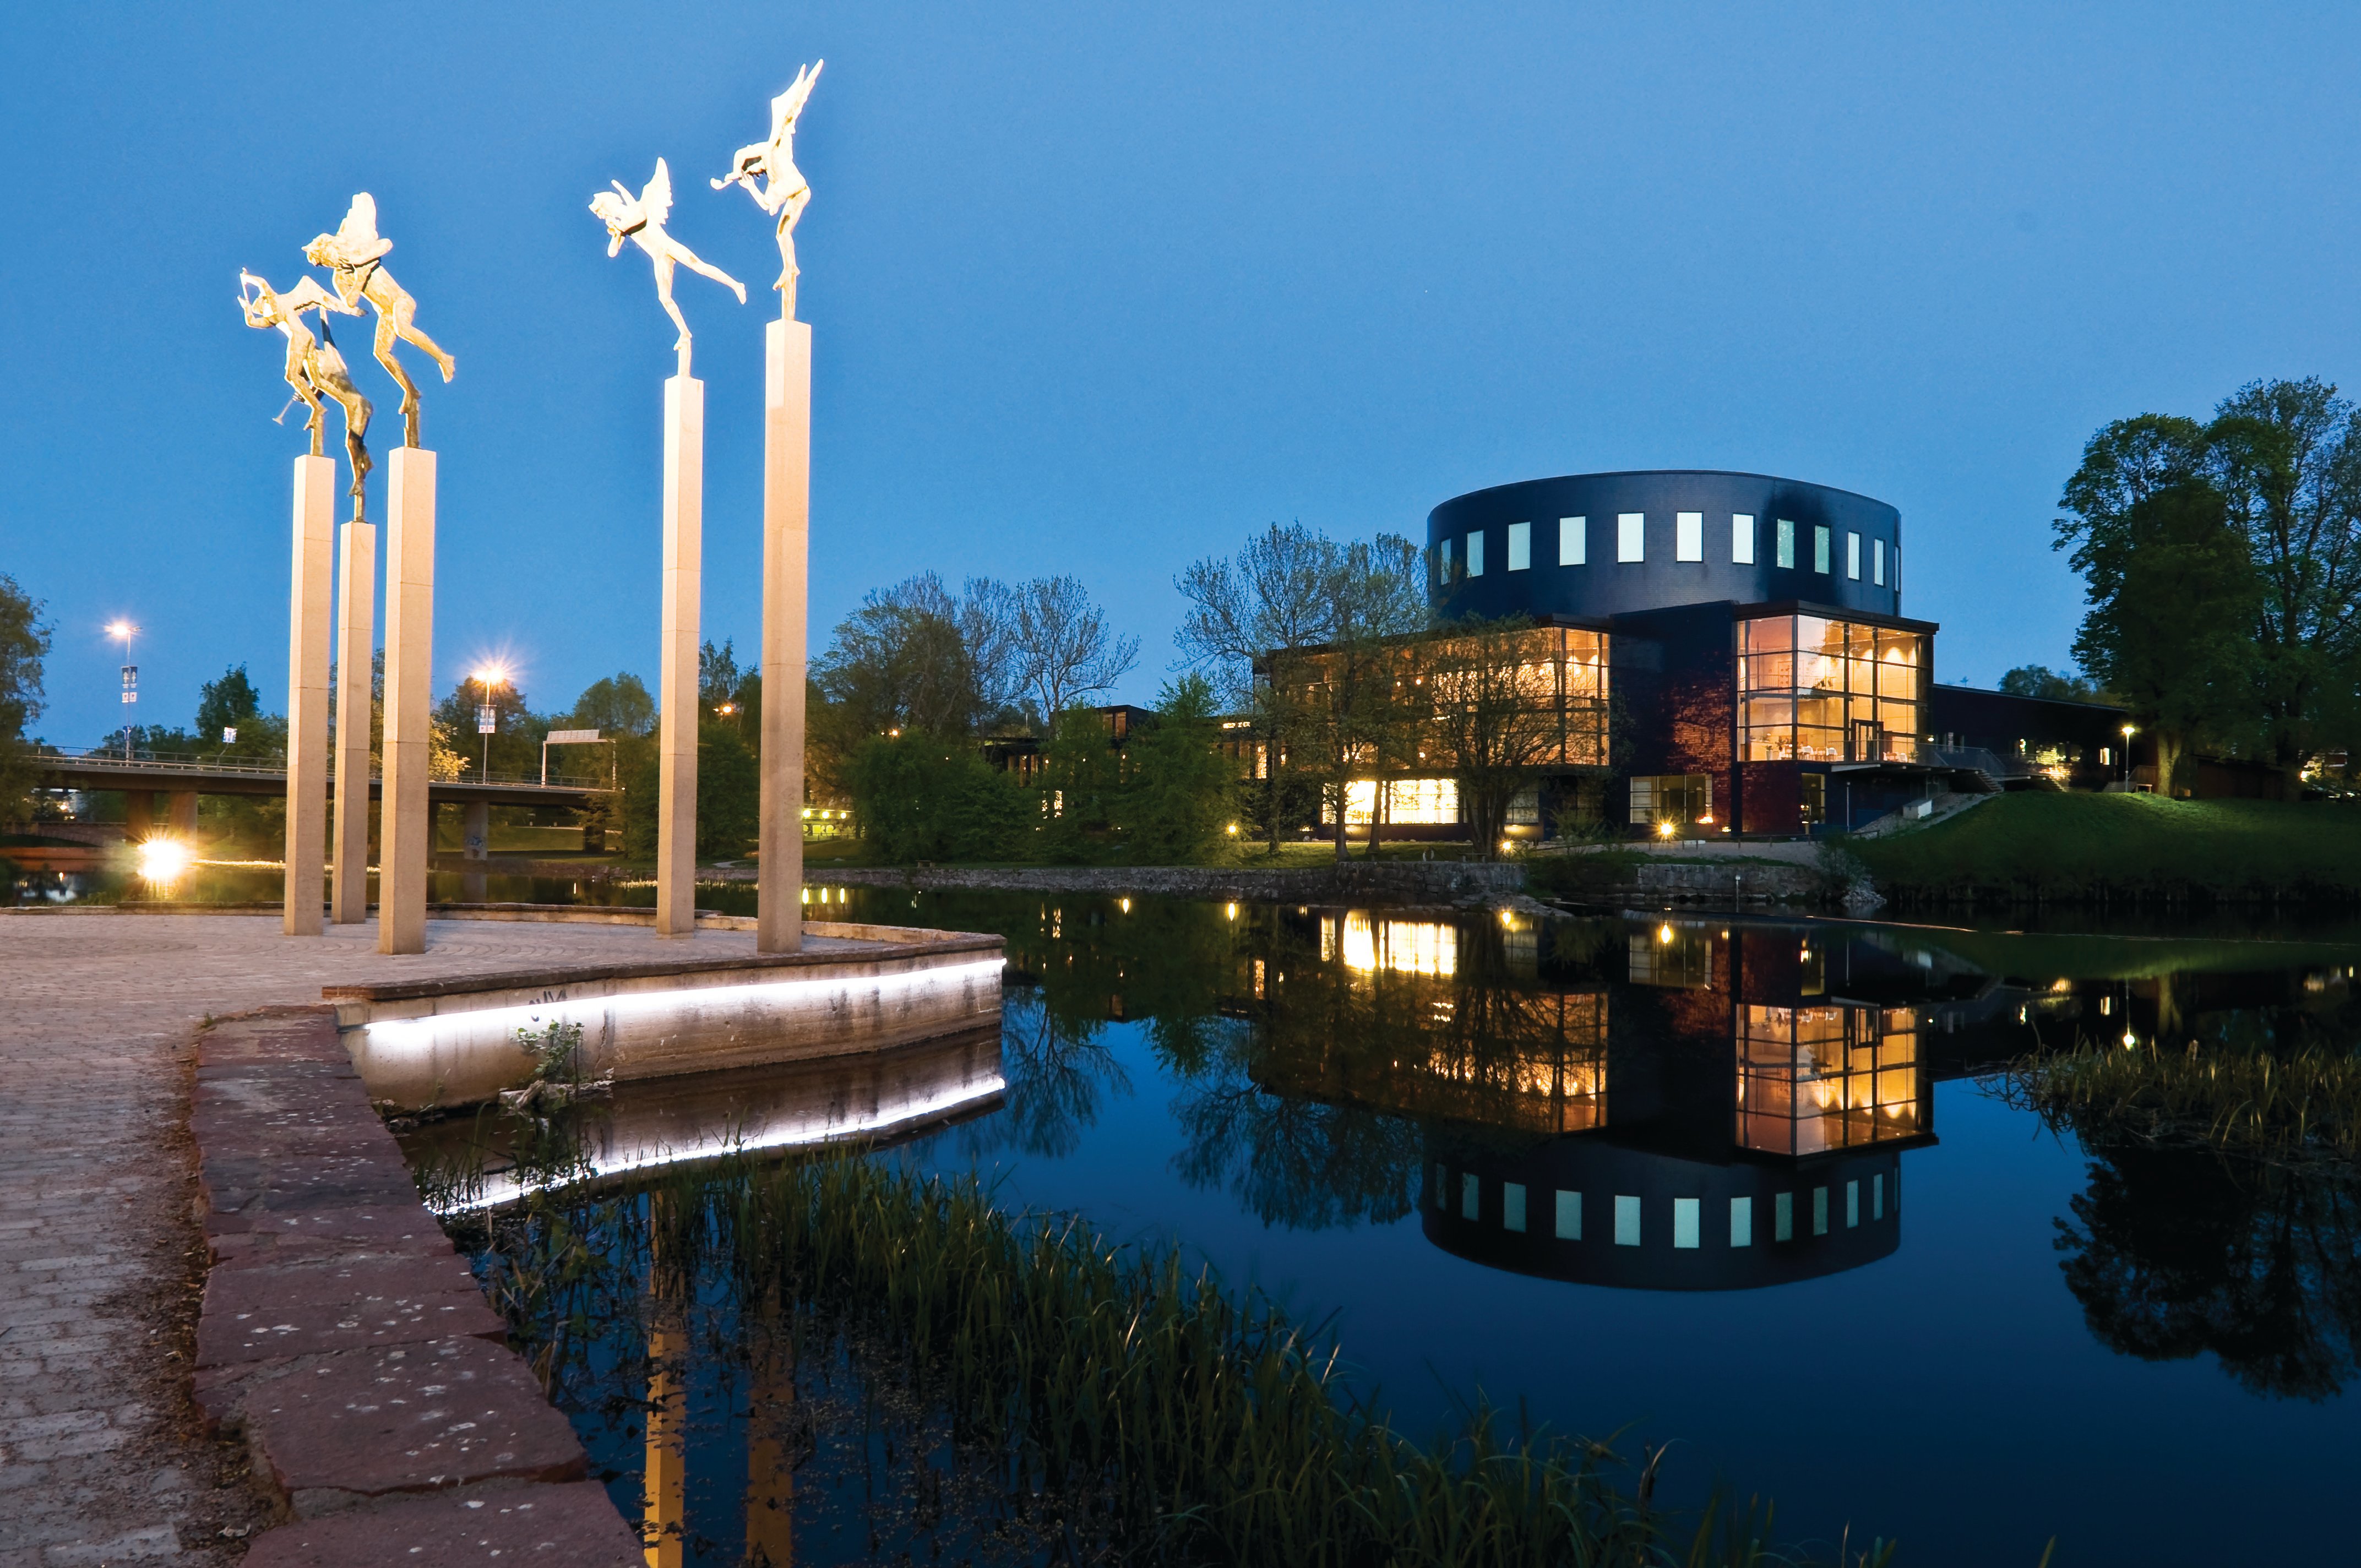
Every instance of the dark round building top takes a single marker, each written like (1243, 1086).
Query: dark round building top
(1590, 545)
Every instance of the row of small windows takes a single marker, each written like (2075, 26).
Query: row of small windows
(1688, 1213)
(1688, 544)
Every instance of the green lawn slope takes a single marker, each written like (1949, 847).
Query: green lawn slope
(2125, 848)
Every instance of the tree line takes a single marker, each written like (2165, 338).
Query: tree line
(2221, 565)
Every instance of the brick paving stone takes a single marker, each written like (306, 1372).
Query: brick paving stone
(96, 1016)
(362, 1423)
(573, 1525)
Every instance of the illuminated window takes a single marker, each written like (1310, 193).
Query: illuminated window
(1512, 1206)
(1627, 1219)
(1471, 1197)
(1569, 1216)
(1520, 548)
(1741, 1222)
(1676, 799)
(1786, 533)
(1573, 541)
(1475, 554)
(1877, 562)
(1811, 1080)
(1397, 947)
(1820, 548)
(1689, 536)
(1741, 539)
(1409, 802)
(1828, 691)
(1684, 1221)
(1632, 536)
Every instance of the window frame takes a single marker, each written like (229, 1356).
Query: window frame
(1689, 536)
(1520, 547)
(1574, 541)
(1630, 538)
(1823, 550)
(1475, 551)
(1741, 539)
(1785, 558)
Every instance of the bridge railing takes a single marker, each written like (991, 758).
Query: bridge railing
(268, 764)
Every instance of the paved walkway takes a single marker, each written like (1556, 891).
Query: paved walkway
(101, 1460)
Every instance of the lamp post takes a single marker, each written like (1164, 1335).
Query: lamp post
(124, 631)
(2129, 730)
(488, 714)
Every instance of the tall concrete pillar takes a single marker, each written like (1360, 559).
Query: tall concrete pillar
(355, 648)
(406, 826)
(684, 548)
(787, 554)
(184, 811)
(770, 1459)
(138, 813)
(476, 835)
(308, 632)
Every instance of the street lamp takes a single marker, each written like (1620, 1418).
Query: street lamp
(124, 631)
(2129, 730)
(488, 716)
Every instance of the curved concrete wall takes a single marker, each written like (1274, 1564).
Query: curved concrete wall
(1604, 585)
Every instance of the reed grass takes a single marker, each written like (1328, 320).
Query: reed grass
(2286, 1107)
(1182, 1421)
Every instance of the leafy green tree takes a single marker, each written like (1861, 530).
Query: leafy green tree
(1078, 786)
(2041, 681)
(618, 704)
(918, 797)
(24, 643)
(2173, 598)
(1175, 807)
(729, 792)
(2284, 460)
(227, 703)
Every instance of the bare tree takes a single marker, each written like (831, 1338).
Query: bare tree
(1066, 651)
(1354, 684)
(1272, 595)
(989, 627)
(1498, 717)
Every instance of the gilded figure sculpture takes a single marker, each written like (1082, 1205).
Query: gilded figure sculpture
(315, 369)
(785, 193)
(640, 220)
(355, 256)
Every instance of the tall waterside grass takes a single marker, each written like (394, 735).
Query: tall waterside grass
(2283, 1107)
(1178, 1420)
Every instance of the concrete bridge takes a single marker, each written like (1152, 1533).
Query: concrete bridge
(183, 779)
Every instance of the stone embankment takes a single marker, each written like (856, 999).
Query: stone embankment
(1388, 882)
(345, 1338)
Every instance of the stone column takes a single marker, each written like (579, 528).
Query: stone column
(182, 812)
(308, 630)
(138, 813)
(405, 825)
(684, 529)
(786, 534)
(356, 645)
(476, 830)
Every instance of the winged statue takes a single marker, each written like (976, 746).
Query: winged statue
(354, 256)
(640, 220)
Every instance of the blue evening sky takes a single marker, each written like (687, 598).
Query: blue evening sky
(1101, 288)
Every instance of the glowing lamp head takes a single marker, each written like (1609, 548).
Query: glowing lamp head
(2129, 730)
(122, 629)
(163, 861)
(1664, 830)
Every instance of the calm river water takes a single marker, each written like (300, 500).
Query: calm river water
(1750, 1188)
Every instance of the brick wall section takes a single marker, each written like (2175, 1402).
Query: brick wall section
(345, 1336)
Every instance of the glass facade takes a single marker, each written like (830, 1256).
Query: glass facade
(1815, 1079)
(1814, 690)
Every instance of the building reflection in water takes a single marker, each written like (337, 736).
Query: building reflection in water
(1692, 1108)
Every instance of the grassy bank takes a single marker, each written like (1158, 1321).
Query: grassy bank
(2124, 848)
(1156, 1414)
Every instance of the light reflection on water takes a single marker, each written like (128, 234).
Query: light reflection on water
(1738, 1182)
